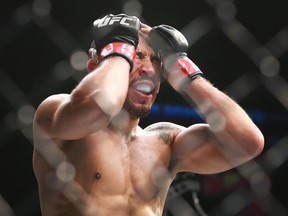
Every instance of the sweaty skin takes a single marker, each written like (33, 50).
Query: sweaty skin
(118, 169)
(130, 177)
(92, 158)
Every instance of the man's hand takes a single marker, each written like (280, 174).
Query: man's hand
(145, 28)
(116, 35)
(172, 47)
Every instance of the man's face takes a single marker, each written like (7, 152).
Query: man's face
(144, 81)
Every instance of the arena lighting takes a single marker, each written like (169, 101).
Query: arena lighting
(185, 112)
(173, 110)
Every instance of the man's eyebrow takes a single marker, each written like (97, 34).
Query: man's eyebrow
(139, 50)
(145, 53)
(156, 57)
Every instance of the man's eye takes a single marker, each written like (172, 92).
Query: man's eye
(156, 61)
(140, 55)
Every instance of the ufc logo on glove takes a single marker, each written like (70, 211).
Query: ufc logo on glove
(110, 21)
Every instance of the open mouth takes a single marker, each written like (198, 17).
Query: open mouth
(144, 88)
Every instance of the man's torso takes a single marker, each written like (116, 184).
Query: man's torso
(105, 171)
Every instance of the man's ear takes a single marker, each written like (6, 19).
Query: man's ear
(91, 65)
(93, 60)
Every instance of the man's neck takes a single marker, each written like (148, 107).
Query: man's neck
(125, 124)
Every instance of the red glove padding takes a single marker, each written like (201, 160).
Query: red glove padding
(179, 70)
(124, 50)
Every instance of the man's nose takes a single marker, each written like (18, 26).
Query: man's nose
(148, 68)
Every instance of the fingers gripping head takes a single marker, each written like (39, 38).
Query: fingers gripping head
(115, 35)
(165, 39)
(115, 28)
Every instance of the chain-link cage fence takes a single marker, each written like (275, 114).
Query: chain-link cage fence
(242, 47)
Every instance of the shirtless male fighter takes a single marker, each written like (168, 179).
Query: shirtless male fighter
(91, 157)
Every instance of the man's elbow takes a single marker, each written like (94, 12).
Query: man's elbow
(256, 143)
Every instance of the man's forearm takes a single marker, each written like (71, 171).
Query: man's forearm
(101, 85)
(230, 124)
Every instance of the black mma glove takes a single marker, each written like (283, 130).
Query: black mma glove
(172, 46)
(116, 35)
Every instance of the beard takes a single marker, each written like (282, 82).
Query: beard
(139, 111)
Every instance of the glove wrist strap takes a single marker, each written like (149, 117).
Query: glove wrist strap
(182, 73)
(127, 51)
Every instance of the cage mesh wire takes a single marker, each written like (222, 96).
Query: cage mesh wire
(40, 55)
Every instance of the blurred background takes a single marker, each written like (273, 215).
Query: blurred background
(242, 47)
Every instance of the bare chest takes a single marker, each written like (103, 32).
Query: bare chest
(110, 165)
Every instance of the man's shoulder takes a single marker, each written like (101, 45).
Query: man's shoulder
(54, 98)
(165, 131)
(164, 126)
(46, 109)
(50, 102)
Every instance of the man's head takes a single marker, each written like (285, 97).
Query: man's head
(144, 79)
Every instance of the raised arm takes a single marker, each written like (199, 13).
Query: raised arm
(229, 138)
(101, 94)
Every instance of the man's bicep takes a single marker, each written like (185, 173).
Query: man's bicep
(189, 140)
(62, 117)
(196, 149)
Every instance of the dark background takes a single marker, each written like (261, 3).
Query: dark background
(241, 45)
